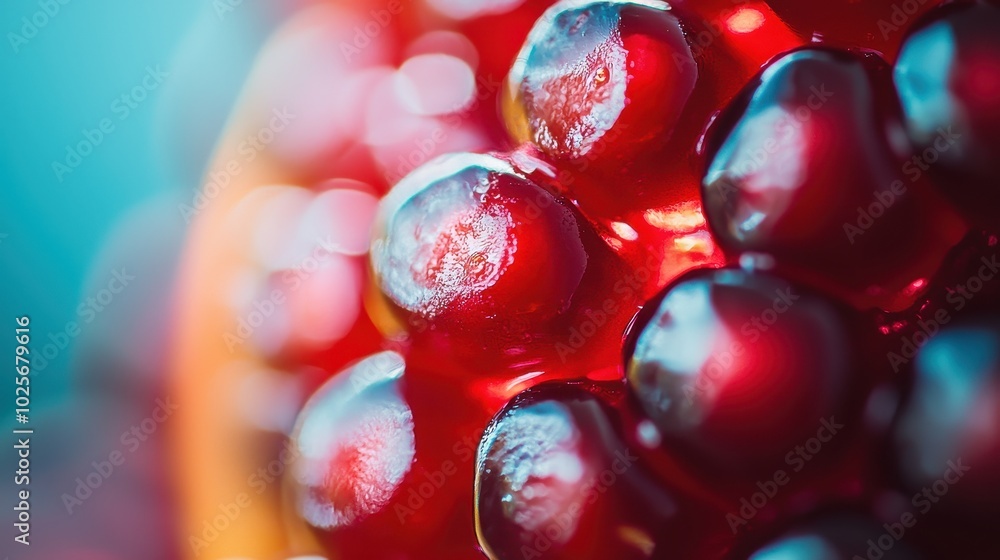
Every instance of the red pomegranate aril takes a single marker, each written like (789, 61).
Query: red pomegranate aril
(735, 369)
(381, 473)
(600, 75)
(948, 76)
(555, 481)
(489, 271)
(879, 25)
(650, 78)
(805, 168)
(948, 426)
(599, 89)
(459, 240)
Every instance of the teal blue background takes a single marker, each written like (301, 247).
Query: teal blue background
(64, 80)
(60, 242)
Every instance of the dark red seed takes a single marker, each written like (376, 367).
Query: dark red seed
(600, 80)
(380, 472)
(616, 94)
(736, 369)
(555, 481)
(947, 436)
(488, 270)
(808, 167)
(948, 75)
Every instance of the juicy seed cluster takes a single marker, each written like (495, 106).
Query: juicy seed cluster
(757, 408)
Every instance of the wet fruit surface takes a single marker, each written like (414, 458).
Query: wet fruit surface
(949, 420)
(554, 481)
(466, 237)
(833, 358)
(948, 76)
(608, 76)
(805, 168)
(485, 266)
(616, 95)
(740, 367)
(380, 474)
